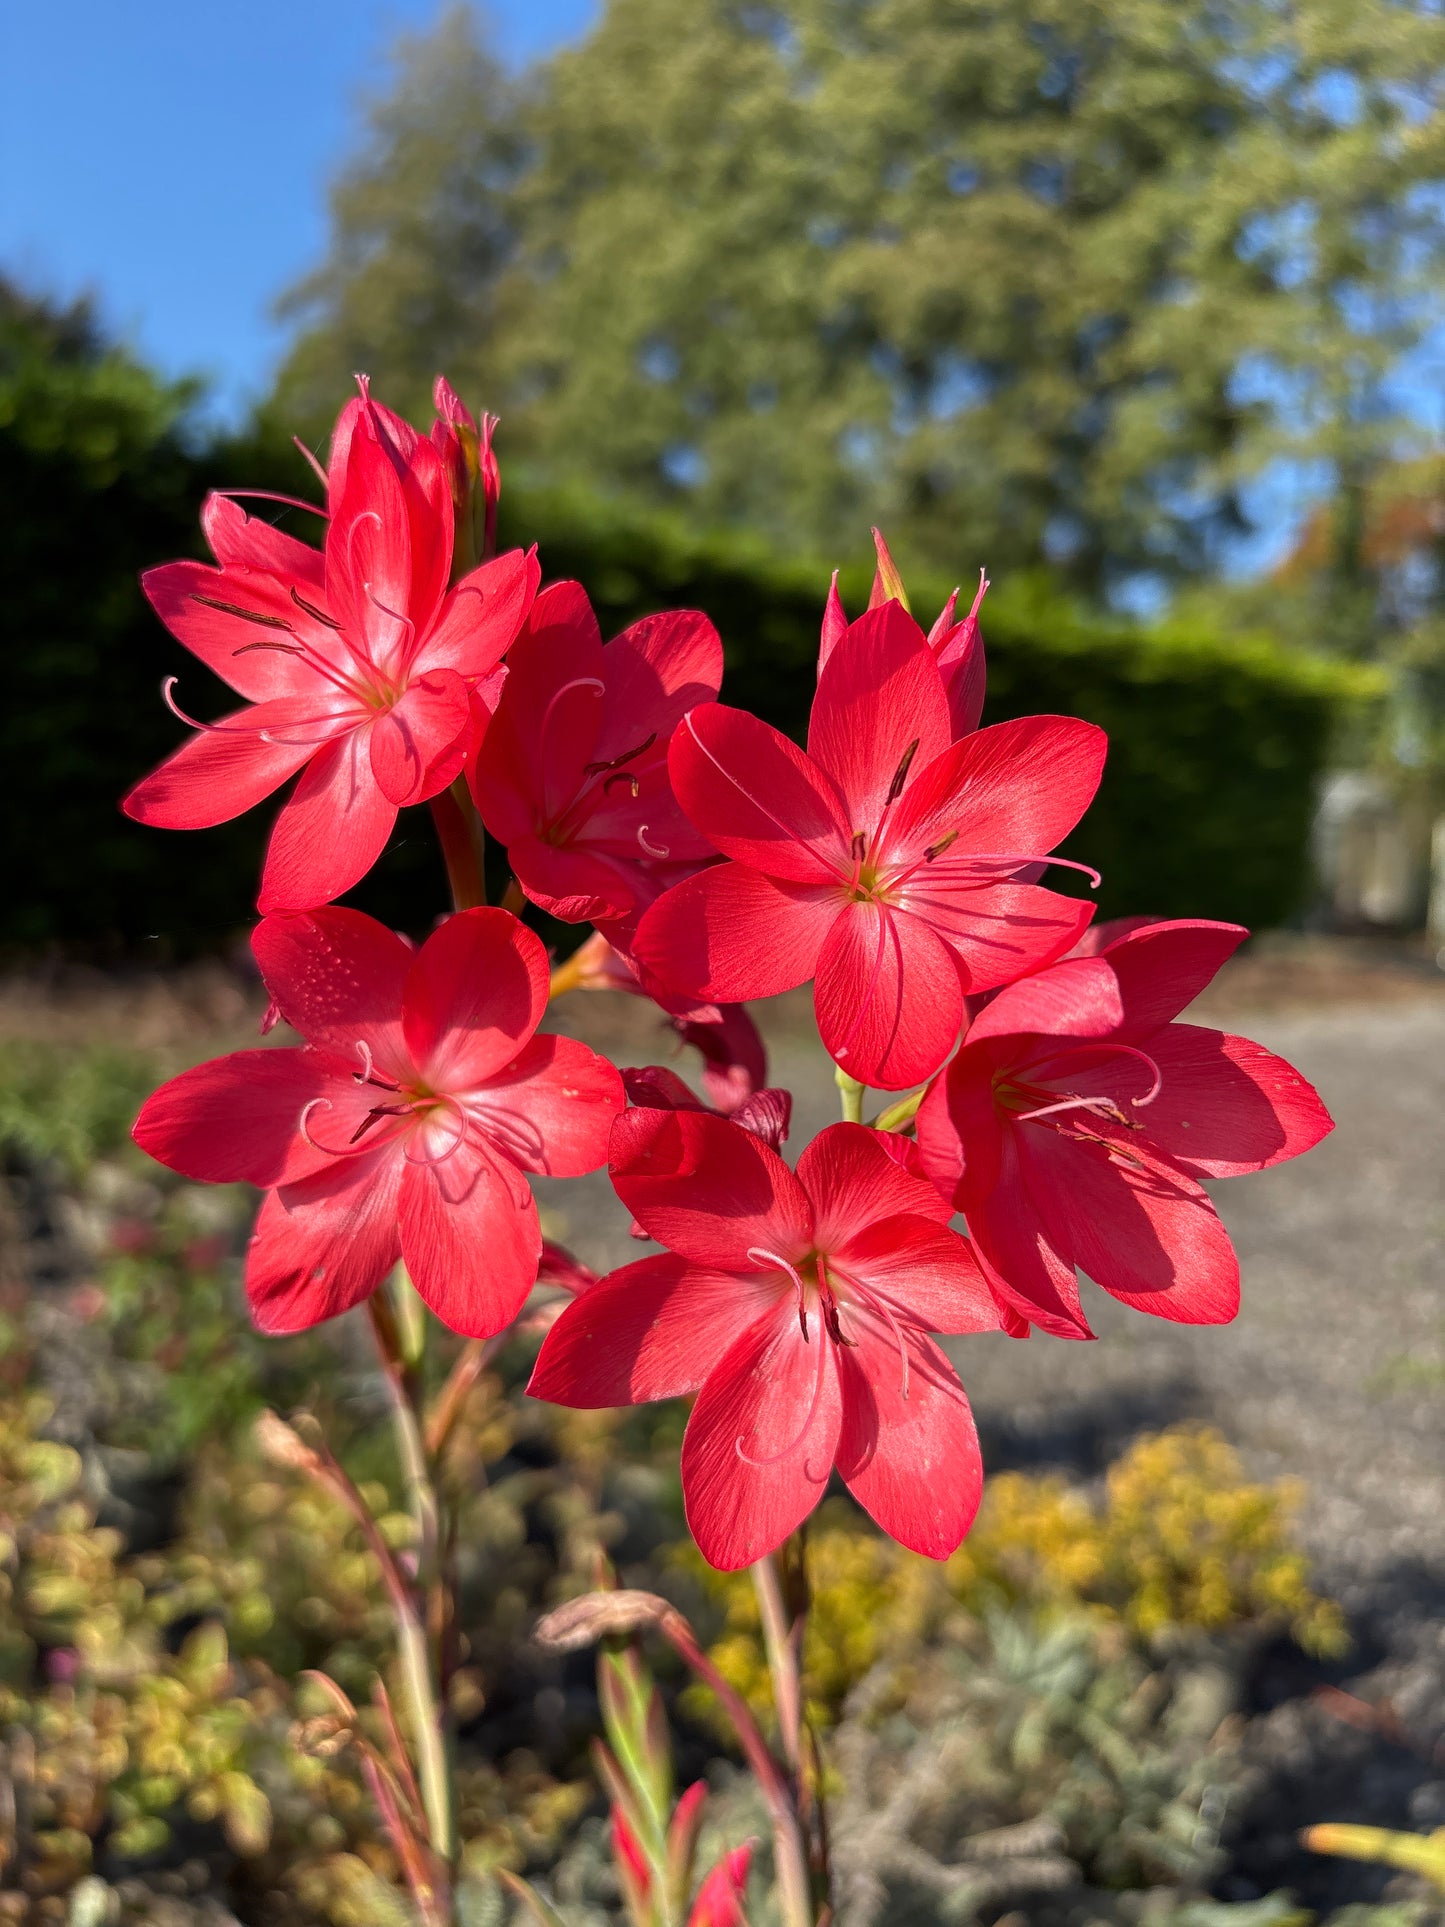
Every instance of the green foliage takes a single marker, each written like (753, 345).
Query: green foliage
(71, 1105)
(1048, 278)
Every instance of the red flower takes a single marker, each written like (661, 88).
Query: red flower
(800, 1305)
(1074, 1125)
(402, 1127)
(572, 775)
(957, 644)
(720, 1898)
(360, 667)
(884, 861)
(734, 1062)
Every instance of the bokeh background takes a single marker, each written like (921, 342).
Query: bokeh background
(1140, 307)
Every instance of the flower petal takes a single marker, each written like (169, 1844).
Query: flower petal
(575, 885)
(734, 934)
(1164, 966)
(1146, 1235)
(912, 1462)
(337, 977)
(1026, 1271)
(887, 997)
(411, 741)
(331, 831)
(757, 797)
(474, 994)
(656, 671)
(219, 774)
(552, 1107)
(927, 1273)
(1014, 789)
(760, 1443)
(323, 1245)
(482, 616)
(960, 1135)
(534, 756)
(1227, 1105)
(652, 1330)
(249, 542)
(852, 1181)
(880, 697)
(708, 1189)
(470, 1238)
(234, 1120)
(996, 931)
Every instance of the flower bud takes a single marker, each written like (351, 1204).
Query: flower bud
(476, 481)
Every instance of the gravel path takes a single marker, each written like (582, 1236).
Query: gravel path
(1333, 1373)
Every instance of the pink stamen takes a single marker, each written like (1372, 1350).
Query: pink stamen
(303, 1126)
(368, 1074)
(212, 729)
(760, 1257)
(270, 495)
(1100, 1106)
(1131, 1050)
(879, 1303)
(652, 849)
(439, 1157)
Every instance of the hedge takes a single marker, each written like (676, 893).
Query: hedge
(1215, 746)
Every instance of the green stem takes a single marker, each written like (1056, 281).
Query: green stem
(901, 1113)
(852, 1093)
(780, 1645)
(459, 830)
(421, 1643)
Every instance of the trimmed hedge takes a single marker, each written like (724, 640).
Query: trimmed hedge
(1205, 808)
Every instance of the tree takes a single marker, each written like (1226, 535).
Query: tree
(422, 228)
(1050, 279)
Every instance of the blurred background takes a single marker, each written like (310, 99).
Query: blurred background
(1140, 307)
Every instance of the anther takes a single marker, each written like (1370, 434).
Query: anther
(616, 762)
(936, 850)
(235, 609)
(860, 846)
(900, 775)
(310, 608)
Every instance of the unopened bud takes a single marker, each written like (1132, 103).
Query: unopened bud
(472, 472)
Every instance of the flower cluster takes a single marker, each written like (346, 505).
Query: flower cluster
(895, 862)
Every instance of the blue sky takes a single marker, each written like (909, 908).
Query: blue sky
(172, 156)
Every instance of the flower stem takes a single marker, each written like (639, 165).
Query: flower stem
(459, 830)
(421, 1643)
(852, 1093)
(789, 1848)
(781, 1639)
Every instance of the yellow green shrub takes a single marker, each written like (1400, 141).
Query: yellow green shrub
(1179, 1542)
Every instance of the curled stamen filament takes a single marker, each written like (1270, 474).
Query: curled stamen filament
(212, 729)
(761, 1257)
(303, 1126)
(652, 849)
(368, 1074)
(1132, 1050)
(440, 1157)
(1100, 1107)
(776, 1458)
(880, 1304)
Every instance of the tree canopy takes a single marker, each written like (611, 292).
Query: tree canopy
(1051, 280)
